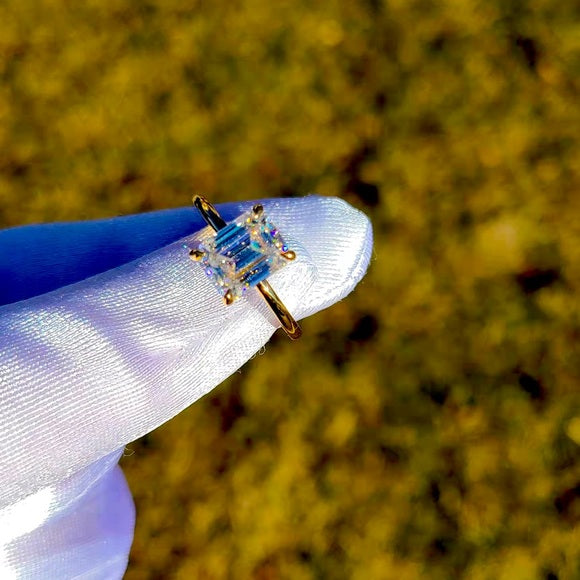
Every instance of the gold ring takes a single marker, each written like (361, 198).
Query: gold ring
(241, 255)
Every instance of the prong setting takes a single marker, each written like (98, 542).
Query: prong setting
(228, 297)
(257, 211)
(196, 254)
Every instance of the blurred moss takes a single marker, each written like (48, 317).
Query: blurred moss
(431, 429)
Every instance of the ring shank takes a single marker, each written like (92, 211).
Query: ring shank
(289, 324)
(209, 213)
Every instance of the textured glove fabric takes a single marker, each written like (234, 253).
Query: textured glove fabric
(92, 365)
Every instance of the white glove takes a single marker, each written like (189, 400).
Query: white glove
(91, 366)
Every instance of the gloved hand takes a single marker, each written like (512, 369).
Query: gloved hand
(107, 330)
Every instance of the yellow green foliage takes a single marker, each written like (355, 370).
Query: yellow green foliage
(429, 425)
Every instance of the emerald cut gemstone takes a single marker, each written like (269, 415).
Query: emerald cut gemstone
(243, 253)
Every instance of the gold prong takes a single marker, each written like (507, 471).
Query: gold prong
(258, 210)
(196, 254)
(289, 255)
(228, 298)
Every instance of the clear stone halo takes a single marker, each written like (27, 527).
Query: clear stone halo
(242, 254)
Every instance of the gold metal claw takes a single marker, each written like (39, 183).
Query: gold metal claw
(289, 255)
(196, 255)
(228, 298)
(257, 210)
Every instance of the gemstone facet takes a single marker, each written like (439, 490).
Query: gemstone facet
(243, 253)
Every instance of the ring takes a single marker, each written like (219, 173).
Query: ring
(241, 255)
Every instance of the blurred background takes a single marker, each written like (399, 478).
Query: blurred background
(429, 425)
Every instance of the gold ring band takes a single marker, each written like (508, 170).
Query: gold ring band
(242, 254)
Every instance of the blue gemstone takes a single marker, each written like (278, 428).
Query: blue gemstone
(259, 272)
(245, 257)
(241, 243)
(228, 236)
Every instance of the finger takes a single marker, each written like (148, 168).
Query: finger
(108, 359)
(78, 528)
(41, 258)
